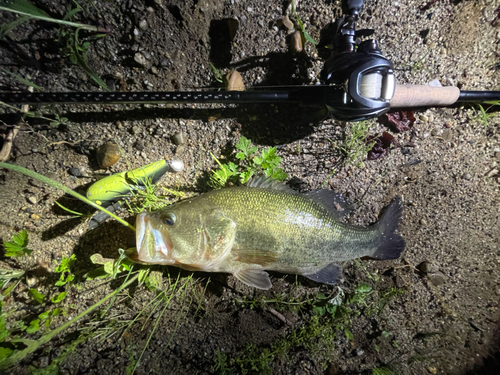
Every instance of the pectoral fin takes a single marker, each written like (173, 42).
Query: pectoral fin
(331, 275)
(256, 278)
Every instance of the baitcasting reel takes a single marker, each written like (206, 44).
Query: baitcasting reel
(364, 74)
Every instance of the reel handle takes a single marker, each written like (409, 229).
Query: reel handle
(407, 96)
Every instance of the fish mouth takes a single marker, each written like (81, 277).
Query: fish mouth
(153, 245)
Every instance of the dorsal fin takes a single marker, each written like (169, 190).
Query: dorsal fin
(263, 182)
(334, 202)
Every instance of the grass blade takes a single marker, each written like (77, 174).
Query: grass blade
(58, 185)
(5, 29)
(24, 81)
(35, 344)
(25, 8)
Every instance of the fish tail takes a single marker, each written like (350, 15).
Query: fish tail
(391, 244)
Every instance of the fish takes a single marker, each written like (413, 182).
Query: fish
(264, 226)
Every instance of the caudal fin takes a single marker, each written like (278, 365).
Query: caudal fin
(391, 244)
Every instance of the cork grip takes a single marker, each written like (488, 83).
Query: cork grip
(423, 96)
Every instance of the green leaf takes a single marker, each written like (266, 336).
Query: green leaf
(4, 333)
(37, 296)
(71, 13)
(243, 144)
(98, 273)
(363, 288)
(319, 310)
(26, 7)
(108, 268)
(232, 167)
(258, 160)
(44, 315)
(332, 309)
(245, 176)
(34, 326)
(18, 245)
(240, 155)
(309, 38)
(57, 311)
(4, 353)
(82, 61)
(59, 297)
(143, 274)
(348, 334)
(278, 174)
(56, 123)
(154, 281)
(66, 264)
(385, 334)
(24, 81)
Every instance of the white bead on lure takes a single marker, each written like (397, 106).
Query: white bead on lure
(112, 188)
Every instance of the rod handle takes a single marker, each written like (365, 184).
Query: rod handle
(424, 96)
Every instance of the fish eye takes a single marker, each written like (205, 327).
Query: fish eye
(169, 218)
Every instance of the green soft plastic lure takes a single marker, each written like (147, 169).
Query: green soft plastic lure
(118, 185)
(110, 191)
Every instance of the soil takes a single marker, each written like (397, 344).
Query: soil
(445, 169)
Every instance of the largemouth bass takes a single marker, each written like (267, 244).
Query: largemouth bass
(264, 226)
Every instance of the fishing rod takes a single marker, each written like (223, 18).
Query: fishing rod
(358, 83)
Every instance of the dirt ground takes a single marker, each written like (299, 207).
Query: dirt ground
(445, 169)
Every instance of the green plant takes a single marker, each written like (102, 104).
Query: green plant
(301, 25)
(482, 114)
(326, 317)
(18, 246)
(73, 47)
(29, 11)
(354, 146)
(22, 80)
(372, 276)
(217, 74)
(249, 164)
(382, 371)
(25, 346)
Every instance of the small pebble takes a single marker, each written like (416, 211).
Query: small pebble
(296, 42)
(467, 176)
(176, 165)
(423, 118)
(75, 172)
(234, 81)
(139, 145)
(108, 154)
(179, 150)
(427, 267)
(447, 135)
(423, 222)
(143, 24)
(287, 23)
(32, 200)
(140, 59)
(405, 150)
(35, 217)
(437, 278)
(178, 138)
